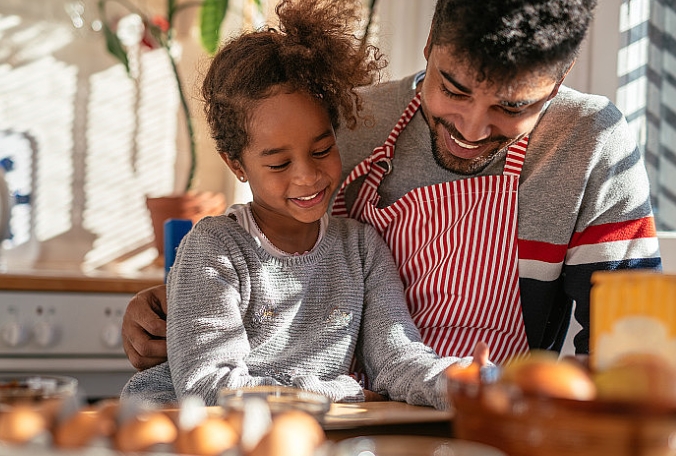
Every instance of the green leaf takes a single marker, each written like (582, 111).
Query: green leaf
(115, 46)
(212, 16)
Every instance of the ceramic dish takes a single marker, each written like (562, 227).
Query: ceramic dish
(409, 445)
(35, 388)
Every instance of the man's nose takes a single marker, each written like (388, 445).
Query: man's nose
(473, 125)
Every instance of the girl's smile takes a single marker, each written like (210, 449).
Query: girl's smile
(293, 166)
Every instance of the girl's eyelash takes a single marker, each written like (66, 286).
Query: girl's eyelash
(320, 153)
(324, 152)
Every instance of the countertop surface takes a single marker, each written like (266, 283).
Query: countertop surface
(345, 416)
(74, 280)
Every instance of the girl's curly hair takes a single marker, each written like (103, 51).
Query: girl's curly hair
(314, 49)
(502, 38)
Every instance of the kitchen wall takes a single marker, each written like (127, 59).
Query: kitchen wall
(89, 142)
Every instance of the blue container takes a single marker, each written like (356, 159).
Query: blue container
(174, 230)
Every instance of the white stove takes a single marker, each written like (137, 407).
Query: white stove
(67, 333)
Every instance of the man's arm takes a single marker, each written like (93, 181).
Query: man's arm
(144, 328)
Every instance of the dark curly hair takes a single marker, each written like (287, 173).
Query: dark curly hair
(502, 38)
(314, 49)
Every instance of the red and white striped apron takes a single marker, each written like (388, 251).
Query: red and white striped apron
(456, 247)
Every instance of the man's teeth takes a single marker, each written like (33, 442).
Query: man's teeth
(463, 145)
(307, 198)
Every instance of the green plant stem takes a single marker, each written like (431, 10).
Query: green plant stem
(188, 121)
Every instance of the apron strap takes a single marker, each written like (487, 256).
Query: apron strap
(516, 155)
(368, 192)
(381, 155)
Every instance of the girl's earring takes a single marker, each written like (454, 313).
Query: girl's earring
(242, 178)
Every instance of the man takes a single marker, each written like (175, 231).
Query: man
(499, 190)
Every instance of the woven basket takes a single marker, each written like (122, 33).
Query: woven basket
(523, 425)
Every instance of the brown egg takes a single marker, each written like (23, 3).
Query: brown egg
(211, 437)
(235, 418)
(543, 373)
(293, 433)
(21, 424)
(145, 430)
(108, 410)
(79, 429)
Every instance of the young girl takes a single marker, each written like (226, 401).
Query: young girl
(276, 292)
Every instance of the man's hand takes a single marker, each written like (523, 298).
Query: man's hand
(144, 328)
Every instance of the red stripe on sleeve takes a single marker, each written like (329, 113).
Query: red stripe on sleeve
(621, 231)
(542, 251)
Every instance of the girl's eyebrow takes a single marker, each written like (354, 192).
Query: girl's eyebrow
(277, 150)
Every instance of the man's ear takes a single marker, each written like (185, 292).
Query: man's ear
(558, 84)
(428, 46)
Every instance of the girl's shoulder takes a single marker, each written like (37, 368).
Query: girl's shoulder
(351, 230)
(220, 229)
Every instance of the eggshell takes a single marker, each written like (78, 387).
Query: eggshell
(21, 424)
(145, 430)
(293, 433)
(108, 411)
(235, 418)
(545, 374)
(209, 438)
(79, 429)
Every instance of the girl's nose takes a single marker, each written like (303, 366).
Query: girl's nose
(307, 172)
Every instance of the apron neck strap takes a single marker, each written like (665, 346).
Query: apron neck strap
(516, 154)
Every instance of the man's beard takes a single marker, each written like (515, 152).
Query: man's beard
(463, 166)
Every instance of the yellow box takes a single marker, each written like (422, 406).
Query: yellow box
(632, 312)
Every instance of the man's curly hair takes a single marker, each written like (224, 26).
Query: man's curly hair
(500, 39)
(314, 49)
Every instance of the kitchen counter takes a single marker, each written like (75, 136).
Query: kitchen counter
(78, 281)
(385, 418)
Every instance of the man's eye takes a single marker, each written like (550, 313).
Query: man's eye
(511, 113)
(450, 94)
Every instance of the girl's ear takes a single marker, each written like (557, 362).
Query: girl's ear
(235, 166)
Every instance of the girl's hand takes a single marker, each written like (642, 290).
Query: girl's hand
(370, 396)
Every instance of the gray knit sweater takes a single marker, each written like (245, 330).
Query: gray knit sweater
(238, 316)
(584, 198)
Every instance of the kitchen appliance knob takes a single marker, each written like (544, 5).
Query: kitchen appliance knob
(112, 335)
(45, 333)
(15, 334)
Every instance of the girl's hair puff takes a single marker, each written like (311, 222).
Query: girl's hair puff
(314, 49)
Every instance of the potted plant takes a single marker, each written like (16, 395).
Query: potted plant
(124, 34)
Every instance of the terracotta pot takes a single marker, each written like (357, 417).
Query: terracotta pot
(190, 206)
